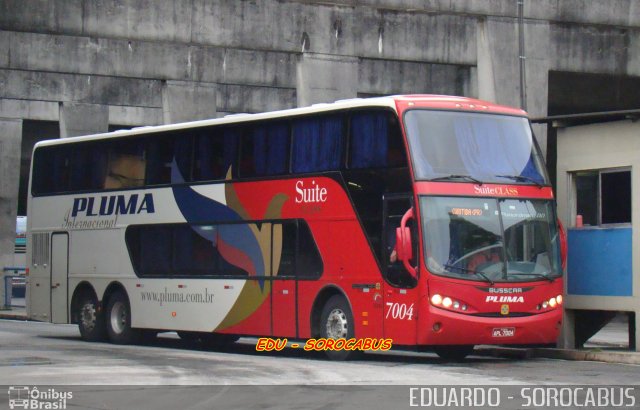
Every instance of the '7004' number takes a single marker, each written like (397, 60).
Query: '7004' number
(399, 311)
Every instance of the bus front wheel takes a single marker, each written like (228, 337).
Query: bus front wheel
(118, 318)
(91, 319)
(336, 322)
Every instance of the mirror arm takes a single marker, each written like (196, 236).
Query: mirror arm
(403, 225)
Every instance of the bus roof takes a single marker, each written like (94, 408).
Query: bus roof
(396, 102)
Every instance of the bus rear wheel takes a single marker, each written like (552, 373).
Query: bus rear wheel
(453, 353)
(91, 319)
(336, 322)
(118, 319)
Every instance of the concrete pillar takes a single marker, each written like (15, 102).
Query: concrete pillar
(537, 62)
(498, 70)
(498, 61)
(10, 146)
(83, 119)
(184, 101)
(633, 331)
(567, 333)
(325, 78)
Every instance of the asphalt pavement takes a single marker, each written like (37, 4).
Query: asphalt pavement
(610, 345)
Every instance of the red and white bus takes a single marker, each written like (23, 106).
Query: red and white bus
(427, 220)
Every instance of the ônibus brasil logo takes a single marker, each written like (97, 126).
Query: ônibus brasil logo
(24, 397)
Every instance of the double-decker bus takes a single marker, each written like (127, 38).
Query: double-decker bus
(427, 220)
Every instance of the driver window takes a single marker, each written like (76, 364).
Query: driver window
(486, 251)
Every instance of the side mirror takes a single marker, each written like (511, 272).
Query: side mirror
(404, 245)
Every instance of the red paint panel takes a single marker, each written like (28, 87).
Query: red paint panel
(484, 190)
(283, 311)
(444, 102)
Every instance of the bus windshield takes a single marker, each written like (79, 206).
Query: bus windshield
(479, 146)
(491, 239)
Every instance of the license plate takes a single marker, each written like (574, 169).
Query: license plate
(504, 331)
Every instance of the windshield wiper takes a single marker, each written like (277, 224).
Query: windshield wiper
(540, 275)
(521, 178)
(456, 176)
(473, 272)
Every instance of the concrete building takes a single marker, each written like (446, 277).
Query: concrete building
(71, 67)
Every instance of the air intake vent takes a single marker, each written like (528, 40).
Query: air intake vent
(40, 249)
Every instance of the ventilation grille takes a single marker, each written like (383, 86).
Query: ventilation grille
(40, 249)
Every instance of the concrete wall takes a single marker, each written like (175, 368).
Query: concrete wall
(143, 62)
(592, 147)
(10, 139)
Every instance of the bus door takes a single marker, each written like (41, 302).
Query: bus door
(59, 276)
(284, 286)
(400, 297)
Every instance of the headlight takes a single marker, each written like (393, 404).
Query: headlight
(436, 299)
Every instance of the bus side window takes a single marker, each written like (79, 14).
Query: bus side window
(297, 250)
(309, 261)
(88, 163)
(265, 150)
(51, 172)
(216, 152)
(150, 249)
(375, 141)
(126, 165)
(284, 239)
(318, 143)
(164, 154)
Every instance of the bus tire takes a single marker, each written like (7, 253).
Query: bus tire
(91, 319)
(336, 322)
(118, 319)
(454, 353)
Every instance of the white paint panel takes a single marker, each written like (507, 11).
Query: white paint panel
(199, 305)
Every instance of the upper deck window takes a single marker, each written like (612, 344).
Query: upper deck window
(487, 147)
(317, 143)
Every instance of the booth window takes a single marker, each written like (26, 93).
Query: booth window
(603, 196)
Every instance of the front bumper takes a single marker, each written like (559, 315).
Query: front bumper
(443, 327)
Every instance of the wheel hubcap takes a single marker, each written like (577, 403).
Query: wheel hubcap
(337, 324)
(88, 316)
(118, 317)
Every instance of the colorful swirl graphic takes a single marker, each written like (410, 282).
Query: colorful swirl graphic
(243, 245)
